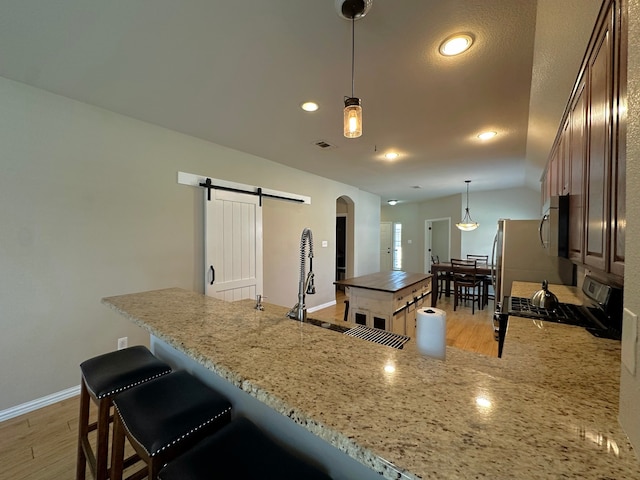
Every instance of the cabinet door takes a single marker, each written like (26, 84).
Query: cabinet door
(577, 153)
(555, 171)
(600, 90)
(564, 174)
(545, 190)
(618, 171)
(398, 323)
(410, 326)
(618, 214)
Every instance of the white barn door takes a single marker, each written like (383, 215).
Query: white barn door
(233, 245)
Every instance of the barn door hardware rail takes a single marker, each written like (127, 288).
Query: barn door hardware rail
(201, 181)
(208, 184)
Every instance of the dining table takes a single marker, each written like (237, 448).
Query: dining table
(446, 267)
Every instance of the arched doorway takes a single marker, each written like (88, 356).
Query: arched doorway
(344, 261)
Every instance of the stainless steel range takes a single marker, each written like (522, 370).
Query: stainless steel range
(600, 314)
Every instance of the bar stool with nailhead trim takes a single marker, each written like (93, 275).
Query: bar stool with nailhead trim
(102, 377)
(164, 418)
(240, 450)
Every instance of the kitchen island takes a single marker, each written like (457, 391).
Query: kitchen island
(387, 300)
(403, 414)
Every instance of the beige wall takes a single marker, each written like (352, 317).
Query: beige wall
(485, 207)
(91, 207)
(630, 383)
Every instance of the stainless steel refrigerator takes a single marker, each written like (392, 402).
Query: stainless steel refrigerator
(519, 255)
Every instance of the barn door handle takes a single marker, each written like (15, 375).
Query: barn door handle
(213, 275)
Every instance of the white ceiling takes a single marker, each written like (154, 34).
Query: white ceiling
(236, 72)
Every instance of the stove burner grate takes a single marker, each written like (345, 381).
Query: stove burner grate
(564, 313)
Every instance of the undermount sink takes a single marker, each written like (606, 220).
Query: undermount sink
(327, 325)
(375, 335)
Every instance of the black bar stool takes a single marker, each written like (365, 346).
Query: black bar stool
(241, 451)
(163, 418)
(102, 377)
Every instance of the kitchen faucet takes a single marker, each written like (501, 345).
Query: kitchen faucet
(299, 311)
(259, 305)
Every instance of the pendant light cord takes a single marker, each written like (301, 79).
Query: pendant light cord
(467, 198)
(353, 55)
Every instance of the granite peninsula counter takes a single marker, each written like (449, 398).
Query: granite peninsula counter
(536, 413)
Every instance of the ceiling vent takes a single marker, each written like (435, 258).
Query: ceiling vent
(324, 145)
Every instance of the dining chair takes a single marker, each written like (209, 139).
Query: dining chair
(481, 259)
(486, 279)
(466, 283)
(442, 276)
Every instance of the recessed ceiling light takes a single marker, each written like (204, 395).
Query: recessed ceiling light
(310, 106)
(487, 135)
(392, 202)
(391, 155)
(456, 44)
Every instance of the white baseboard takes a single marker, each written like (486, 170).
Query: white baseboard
(39, 403)
(320, 307)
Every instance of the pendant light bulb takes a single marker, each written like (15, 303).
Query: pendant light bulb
(467, 224)
(352, 117)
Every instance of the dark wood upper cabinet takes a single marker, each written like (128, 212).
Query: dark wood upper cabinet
(618, 222)
(564, 176)
(588, 159)
(599, 125)
(555, 170)
(577, 163)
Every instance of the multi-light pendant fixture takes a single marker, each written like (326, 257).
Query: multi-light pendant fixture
(467, 224)
(353, 10)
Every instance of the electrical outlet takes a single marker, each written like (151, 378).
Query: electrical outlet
(122, 343)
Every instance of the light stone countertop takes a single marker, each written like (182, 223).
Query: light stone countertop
(547, 409)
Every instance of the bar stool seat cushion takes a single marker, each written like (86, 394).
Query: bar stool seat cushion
(241, 451)
(113, 372)
(161, 413)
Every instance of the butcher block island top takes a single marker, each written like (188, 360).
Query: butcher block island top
(398, 412)
(392, 281)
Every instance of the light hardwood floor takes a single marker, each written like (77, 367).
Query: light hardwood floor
(467, 331)
(41, 445)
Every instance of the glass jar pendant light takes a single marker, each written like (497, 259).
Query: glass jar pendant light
(352, 104)
(352, 117)
(467, 224)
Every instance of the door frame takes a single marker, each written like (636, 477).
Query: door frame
(390, 224)
(428, 243)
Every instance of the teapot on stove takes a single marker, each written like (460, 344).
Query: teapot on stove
(544, 298)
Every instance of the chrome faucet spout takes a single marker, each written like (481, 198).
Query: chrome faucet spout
(309, 286)
(305, 286)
